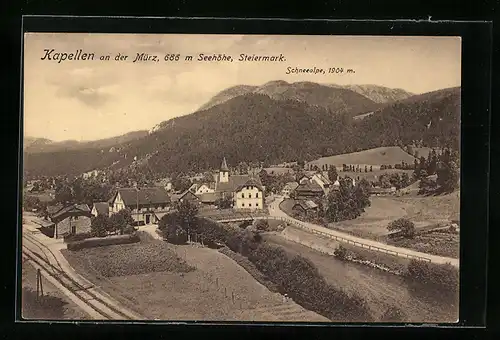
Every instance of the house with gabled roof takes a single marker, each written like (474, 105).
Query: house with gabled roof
(308, 190)
(246, 191)
(100, 208)
(187, 195)
(289, 188)
(305, 208)
(147, 205)
(67, 220)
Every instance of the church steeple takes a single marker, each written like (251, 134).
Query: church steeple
(224, 172)
(223, 166)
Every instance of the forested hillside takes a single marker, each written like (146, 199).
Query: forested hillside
(255, 127)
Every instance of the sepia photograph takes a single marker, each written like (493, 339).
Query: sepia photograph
(248, 178)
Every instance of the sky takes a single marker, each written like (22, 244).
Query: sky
(94, 99)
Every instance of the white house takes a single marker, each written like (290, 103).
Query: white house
(246, 191)
(205, 188)
(147, 205)
(250, 195)
(289, 188)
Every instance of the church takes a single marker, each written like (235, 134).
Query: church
(246, 191)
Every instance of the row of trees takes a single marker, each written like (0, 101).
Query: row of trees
(79, 190)
(357, 168)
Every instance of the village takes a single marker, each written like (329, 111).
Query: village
(223, 191)
(340, 212)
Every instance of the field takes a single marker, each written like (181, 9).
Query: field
(424, 212)
(436, 243)
(56, 305)
(375, 157)
(180, 294)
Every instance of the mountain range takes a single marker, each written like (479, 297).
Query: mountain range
(275, 122)
(354, 99)
(33, 144)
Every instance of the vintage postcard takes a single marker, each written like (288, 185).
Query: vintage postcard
(263, 178)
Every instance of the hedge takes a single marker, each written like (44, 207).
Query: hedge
(77, 237)
(296, 276)
(443, 277)
(250, 268)
(104, 241)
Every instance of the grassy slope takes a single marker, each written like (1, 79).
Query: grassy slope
(375, 157)
(202, 294)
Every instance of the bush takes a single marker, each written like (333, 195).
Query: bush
(250, 268)
(77, 237)
(340, 252)
(301, 280)
(100, 225)
(101, 242)
(444, 277)
(404, 226)
(129, 230)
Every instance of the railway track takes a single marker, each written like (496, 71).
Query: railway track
(48, 262)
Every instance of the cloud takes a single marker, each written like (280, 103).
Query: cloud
(85, 84)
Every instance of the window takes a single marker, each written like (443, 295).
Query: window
(250, 204)
(249, 195)
(257, 195)
(256, 204)
(243, 195)
(242, 204)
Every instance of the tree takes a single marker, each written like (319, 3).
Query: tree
(332, 173)
(409, 149)
(187, 212)
(63, 194)
(224, 203)
(346, 203)
(181, 184)
(99, 226)
(120, 221)
(403, 225)
(262, 225)
(405, 180)
(448, 172)
(31, 202)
